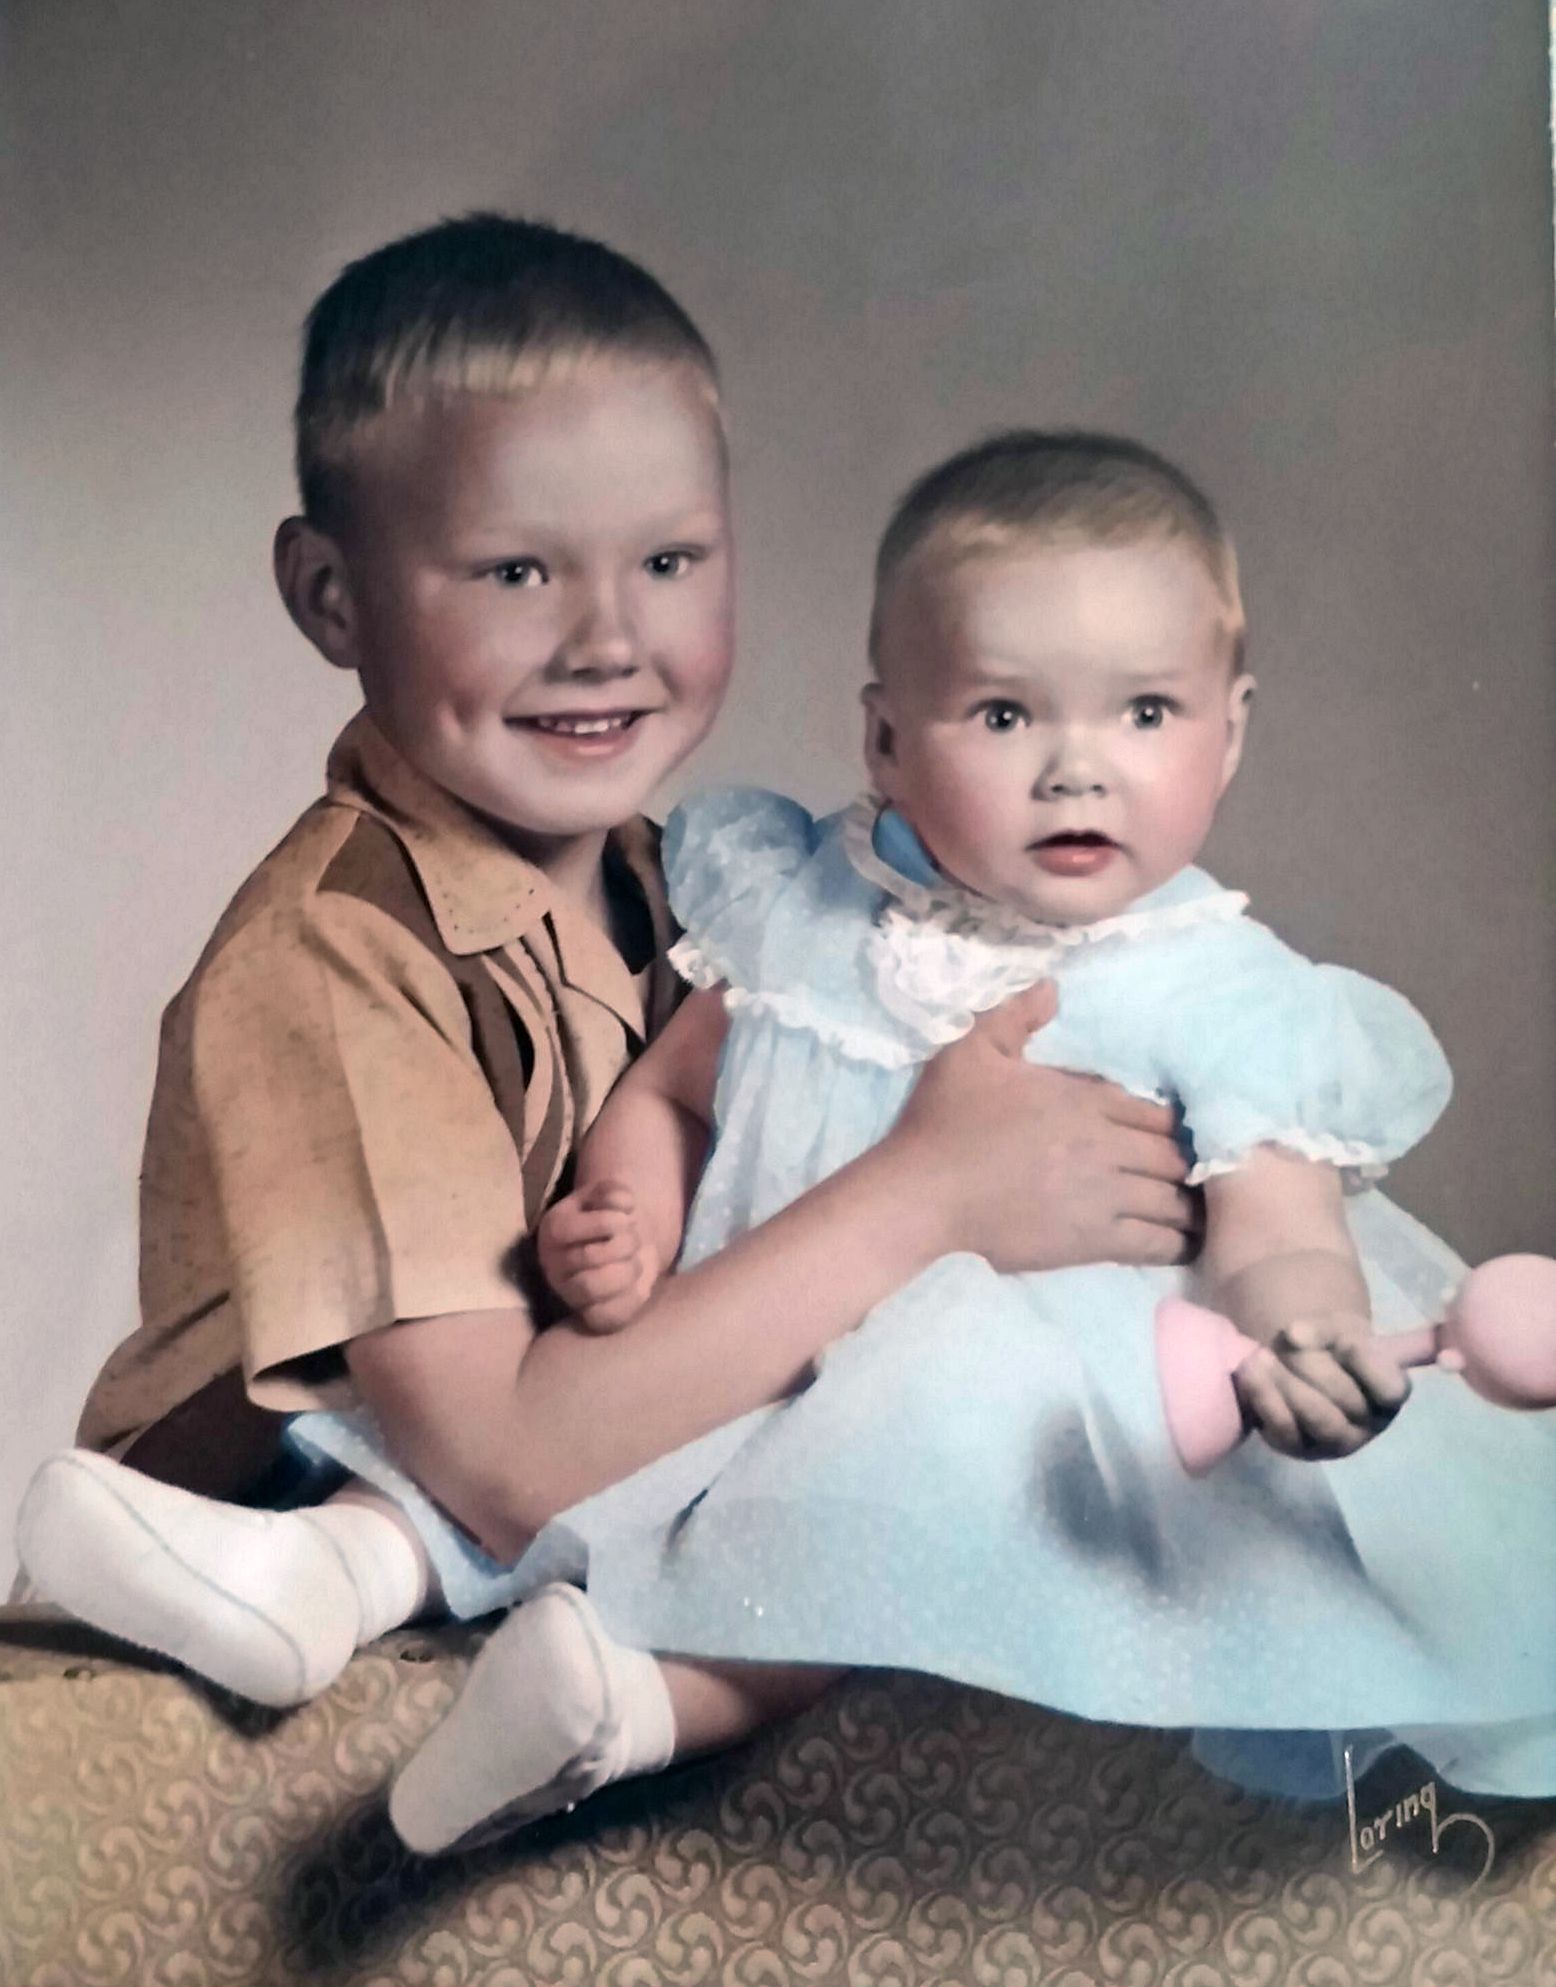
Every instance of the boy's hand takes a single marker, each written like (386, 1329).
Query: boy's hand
(595, 1256)
(1322, 1387)
(1035, 1168)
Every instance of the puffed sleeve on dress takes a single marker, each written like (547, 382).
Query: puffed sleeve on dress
(1277, 1050)
(727, 857)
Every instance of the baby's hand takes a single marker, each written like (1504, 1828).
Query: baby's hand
(1322, 1388)
(595, 1257)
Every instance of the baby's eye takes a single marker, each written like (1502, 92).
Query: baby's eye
(670, 565)
(1149, 713)
(518, 572)
(1000, 715)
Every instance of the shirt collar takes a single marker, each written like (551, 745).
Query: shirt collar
(482, 894)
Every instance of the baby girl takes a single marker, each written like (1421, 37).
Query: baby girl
(978, 1481)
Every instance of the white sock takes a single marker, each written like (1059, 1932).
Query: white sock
(387, 1568)
(267, 1604)
(645, 1738)
(552, 1711)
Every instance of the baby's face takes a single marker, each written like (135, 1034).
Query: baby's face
(1058, 722)
(542, 592)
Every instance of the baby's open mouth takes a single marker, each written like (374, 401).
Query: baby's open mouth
(1075, 852)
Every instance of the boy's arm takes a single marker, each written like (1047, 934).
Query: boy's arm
(1030, 1167)
(1279, 1261)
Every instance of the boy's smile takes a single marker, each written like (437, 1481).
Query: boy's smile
(540, 593)
(1058, 721)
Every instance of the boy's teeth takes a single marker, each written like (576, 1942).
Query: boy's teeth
(582, 727)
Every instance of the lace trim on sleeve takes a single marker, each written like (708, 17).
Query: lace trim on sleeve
(1360, 1165)
(688, 959)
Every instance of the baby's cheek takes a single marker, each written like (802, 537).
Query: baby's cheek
(1184, 805)
(1177, 812)
(962, 819)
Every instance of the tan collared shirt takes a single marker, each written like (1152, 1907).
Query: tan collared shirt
(366, 1094)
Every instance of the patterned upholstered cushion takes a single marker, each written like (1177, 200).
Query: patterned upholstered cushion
(158, 1835)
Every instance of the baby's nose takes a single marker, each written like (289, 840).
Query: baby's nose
(1073, 768)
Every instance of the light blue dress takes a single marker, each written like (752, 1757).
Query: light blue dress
(979, 1482)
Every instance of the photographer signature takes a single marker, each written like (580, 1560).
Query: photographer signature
(1368, 1837)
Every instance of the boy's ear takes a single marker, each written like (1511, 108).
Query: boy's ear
(880, 751)
(1239, 703)
(311, 574)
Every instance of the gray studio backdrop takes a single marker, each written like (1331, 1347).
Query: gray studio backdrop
(1302, 244)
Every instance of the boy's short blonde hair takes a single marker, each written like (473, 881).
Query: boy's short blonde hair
(480, 304)
(1056, 486)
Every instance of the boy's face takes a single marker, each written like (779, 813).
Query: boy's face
(540, 592)
(1058, 722)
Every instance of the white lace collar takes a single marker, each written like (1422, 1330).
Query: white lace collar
(940, 955)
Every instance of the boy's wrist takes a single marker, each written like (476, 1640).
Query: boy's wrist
(914, 1221)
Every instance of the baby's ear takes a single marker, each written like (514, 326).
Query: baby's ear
(1239, 704)
(311, 575)
(879, 743)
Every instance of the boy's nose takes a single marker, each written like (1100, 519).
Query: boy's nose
(601, 641)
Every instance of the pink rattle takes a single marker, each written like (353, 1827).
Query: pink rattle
(1500, 1333)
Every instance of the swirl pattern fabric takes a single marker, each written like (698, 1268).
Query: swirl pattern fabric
(905, 1832)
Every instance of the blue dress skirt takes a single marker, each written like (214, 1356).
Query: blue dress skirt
(979, 1483)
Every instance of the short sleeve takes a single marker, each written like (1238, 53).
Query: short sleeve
(1318, 1059)
(361, 1168)
(727, 857)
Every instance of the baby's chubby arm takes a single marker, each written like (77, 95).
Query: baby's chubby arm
(1278, 1260)
(605, 1245)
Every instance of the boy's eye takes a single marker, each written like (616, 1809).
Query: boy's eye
(1001, 715)
(518, 572)
(670, 565)
(1149, 713)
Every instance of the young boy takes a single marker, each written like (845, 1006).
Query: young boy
(515, 531)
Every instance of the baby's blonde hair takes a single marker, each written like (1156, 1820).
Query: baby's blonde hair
(484, 304)
(1056, 486)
